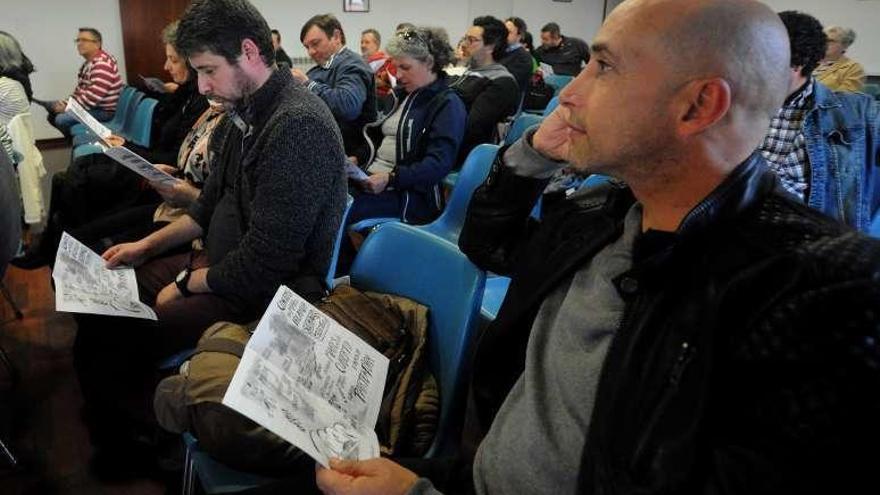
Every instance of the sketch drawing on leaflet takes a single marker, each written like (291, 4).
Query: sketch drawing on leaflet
(310, 381)
(275, 392)
(84, 285)
(337, 440)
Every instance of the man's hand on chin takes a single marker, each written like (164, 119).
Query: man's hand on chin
(553, 138)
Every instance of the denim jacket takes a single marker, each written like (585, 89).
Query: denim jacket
(842, 133)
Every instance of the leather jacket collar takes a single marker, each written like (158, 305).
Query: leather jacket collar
(750, 180)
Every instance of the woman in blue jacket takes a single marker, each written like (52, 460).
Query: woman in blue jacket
(416, 144)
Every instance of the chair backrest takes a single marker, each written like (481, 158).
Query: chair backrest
(128, 116)
(523, 122)
(557, 81)
(142, 126)
(551, 105)
(593, 180)
(403, 260)
(125, 97)
(874, 229)
(334, 259)
(473, 173)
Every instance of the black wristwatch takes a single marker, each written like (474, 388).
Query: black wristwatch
(182, 280)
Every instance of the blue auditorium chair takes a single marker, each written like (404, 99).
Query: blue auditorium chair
(122, 108)
(551, 105)
(557, 81)
(403, 260)
(473, 173)
(520, 125)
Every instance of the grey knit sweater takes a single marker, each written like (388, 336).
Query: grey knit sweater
(272, 208)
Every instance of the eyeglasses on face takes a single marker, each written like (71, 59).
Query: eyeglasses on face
(84, 40)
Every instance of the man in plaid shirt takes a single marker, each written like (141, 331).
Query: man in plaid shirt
(98, 83)
(824, 146)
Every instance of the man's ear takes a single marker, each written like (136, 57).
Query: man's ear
(249, 50)
(702, 103)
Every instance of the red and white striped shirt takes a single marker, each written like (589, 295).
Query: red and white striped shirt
(99, 84)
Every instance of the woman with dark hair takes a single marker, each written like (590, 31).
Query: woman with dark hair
(95, 185)
(415, 146)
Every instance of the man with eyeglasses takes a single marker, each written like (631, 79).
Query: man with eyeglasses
(98, 83)
(487, 88)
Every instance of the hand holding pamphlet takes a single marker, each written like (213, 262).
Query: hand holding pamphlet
(154, 84)
(124, 156)
(83, 284)
(136, 163)
(354, 172)
(310, 381)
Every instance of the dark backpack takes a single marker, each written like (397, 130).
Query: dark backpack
(396, 326)
(538, 95)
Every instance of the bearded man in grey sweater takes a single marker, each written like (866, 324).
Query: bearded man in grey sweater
(268, 214)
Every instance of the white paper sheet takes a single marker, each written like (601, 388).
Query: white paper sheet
(546, 69)
(354, 172)
(84, 285)
(86, 118)
(310, 381)
(139, 165)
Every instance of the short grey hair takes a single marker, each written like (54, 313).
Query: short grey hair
(845, 36)
(429, 45)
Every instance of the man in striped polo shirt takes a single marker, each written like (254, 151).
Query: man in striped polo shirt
(98, 83)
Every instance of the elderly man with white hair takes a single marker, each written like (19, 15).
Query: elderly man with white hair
(837, 71)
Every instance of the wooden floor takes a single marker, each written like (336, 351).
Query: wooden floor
(40, 415)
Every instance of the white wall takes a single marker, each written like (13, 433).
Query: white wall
(46, 29)
(863, 16)
(579, 18)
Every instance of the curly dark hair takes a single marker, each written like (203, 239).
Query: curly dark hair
(220, 26)
(807, 40)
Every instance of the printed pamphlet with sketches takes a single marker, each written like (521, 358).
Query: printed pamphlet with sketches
(124, 156)
(310, 381)
(83, 284)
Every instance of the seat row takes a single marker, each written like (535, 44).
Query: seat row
(132, 121)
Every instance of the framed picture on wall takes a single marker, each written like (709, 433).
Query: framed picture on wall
(357, 5)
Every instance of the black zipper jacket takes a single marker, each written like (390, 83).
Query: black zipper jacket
(748, 359)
